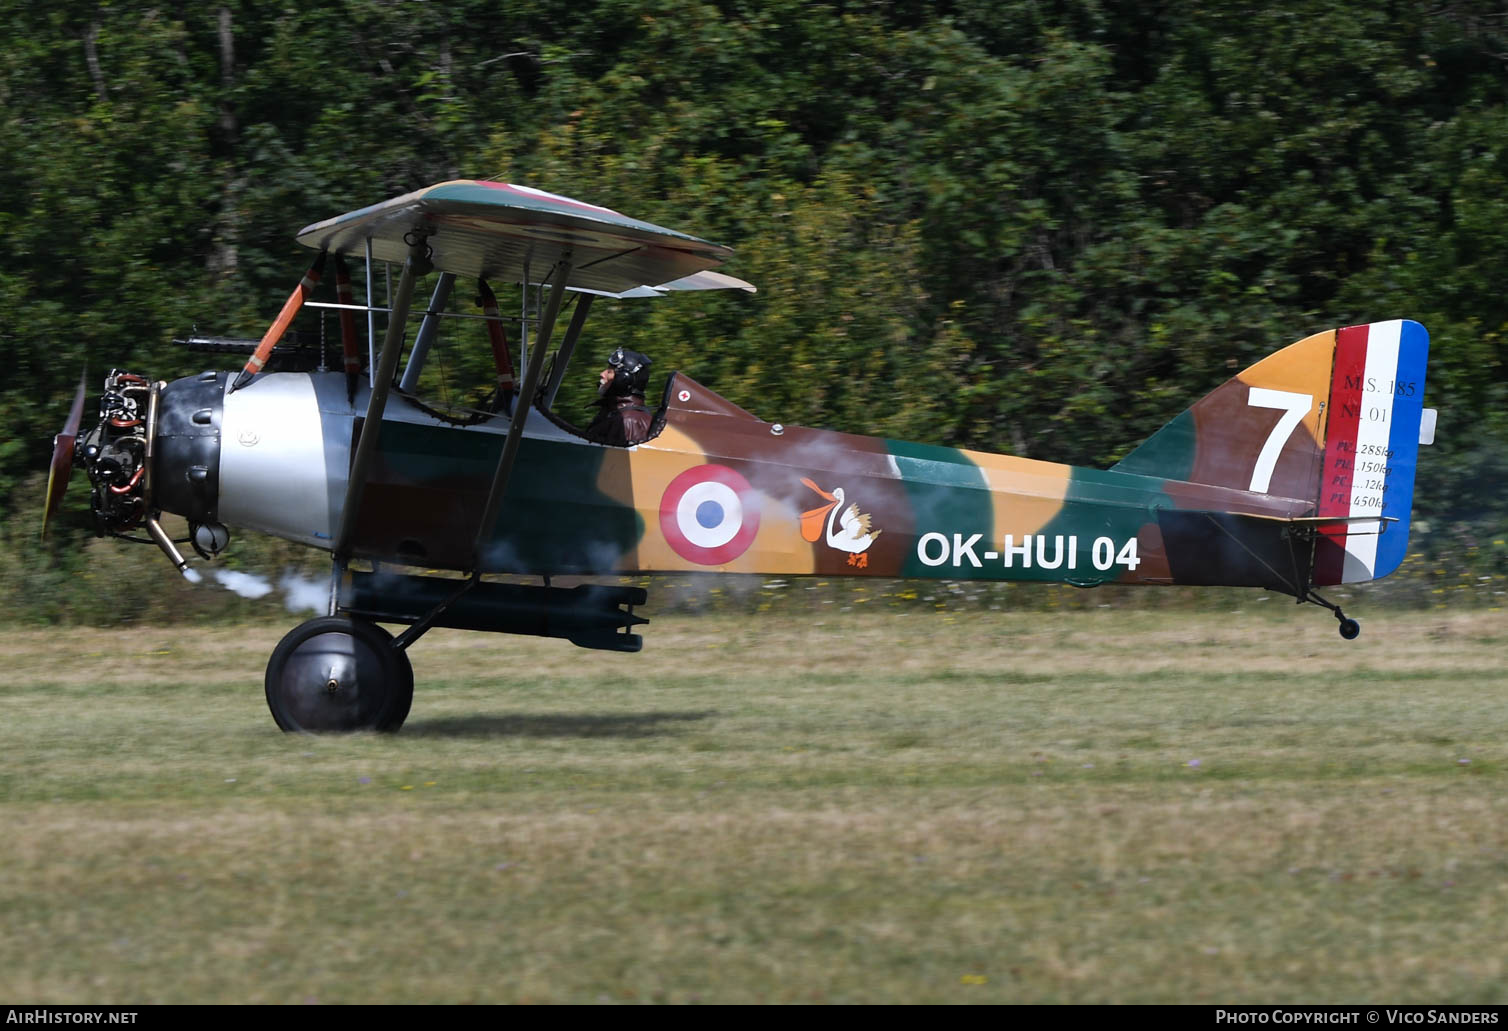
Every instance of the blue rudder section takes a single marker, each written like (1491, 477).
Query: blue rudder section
(1403, 443)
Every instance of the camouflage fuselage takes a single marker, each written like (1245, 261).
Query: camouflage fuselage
(720, 490)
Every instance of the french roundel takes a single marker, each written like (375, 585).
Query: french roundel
(709, 515)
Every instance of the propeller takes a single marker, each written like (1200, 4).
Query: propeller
(62, 457)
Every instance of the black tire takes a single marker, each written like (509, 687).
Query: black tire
(335, 674)
(1349, 629)
(405, 697)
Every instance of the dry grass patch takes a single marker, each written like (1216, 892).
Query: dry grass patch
(867, 807)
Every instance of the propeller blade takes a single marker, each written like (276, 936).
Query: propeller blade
(62, 457)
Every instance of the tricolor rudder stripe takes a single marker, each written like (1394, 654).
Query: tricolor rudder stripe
(1371, 449)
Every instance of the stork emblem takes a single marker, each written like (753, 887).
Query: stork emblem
(847, 529)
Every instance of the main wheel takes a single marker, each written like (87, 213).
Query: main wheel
(1349, 628)
(336, 673)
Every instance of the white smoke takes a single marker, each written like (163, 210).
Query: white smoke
(299, 594)
(244, 584)
(302, 595)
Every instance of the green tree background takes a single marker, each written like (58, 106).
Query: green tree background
(1042, 228)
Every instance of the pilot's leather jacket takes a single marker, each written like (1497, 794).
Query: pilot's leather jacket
(621, 421)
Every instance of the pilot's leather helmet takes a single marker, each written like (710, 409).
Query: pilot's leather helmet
(630, 371)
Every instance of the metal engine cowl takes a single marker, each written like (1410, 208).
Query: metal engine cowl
(186, 447)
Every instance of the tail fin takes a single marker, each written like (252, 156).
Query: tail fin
(1334, 422)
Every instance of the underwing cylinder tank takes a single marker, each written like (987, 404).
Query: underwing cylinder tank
(590, 615)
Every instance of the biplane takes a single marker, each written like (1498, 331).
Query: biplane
(1295, 475)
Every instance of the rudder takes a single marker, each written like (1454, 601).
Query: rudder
(1372, 443)
(1332, 422)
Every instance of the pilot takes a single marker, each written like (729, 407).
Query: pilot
(622, 418)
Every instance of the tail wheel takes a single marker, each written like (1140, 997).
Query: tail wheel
(336, 673)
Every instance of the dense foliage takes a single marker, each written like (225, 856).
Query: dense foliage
(1036, 227)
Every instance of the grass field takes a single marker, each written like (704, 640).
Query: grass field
(876, 807)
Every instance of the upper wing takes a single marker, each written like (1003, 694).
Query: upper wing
(493, 229)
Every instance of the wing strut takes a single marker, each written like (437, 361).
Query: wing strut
(350, 358)
(280, 324)
(426, 335)
(557, 279)
(415, 266)
(567, 347)
(502, 360)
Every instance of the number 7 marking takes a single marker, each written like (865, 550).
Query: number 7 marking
(1295, 407)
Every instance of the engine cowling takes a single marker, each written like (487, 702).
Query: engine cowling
(186, 447)
(271, 457)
